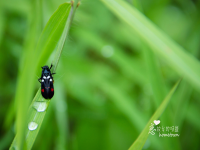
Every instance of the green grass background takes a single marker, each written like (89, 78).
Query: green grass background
(117, 66)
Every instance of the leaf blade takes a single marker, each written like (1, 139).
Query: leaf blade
(176, 57)
(36, 115)
(140, 141)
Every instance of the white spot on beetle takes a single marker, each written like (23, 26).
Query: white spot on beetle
(48, 77)
(50, 80)
(42, 80)
(44, 77)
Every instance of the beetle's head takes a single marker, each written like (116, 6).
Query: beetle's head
(45, 68)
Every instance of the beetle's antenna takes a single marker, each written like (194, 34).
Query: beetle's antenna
(51, 66)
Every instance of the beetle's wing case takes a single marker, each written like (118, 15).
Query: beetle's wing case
(44, 88)
(51, 89)
(47, 89)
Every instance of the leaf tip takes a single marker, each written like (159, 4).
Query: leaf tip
(72, 3)
(78, 4)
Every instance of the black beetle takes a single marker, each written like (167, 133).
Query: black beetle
(46, 80)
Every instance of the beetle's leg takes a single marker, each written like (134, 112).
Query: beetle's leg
(53, 73)
(39, 80)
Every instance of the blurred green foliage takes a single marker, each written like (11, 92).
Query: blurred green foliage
(108, 82)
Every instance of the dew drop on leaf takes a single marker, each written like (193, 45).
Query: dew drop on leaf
(32, 126)
(40, 106)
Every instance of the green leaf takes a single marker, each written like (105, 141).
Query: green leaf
(176, 57)
(26, 72)
(61, 19)
(51, 34)
(140, 141)
(60, 107)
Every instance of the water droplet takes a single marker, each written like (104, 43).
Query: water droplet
(32, 126)
(107, 51)
(40, 106)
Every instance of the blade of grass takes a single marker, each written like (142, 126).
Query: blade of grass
(63, 36)
(38, 117)
(26, 73)
(176, 57)
(60, 106)
(155, 77)
(51, 35)
(35, 114)
(140, 141)
(156, 83)
(159, 92)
